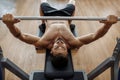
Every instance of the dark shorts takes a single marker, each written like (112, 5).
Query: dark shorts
(50, 11)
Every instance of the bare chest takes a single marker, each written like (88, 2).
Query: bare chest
(55, 30)
(58, 30)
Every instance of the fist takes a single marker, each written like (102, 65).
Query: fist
(8, 19)
(111, 19)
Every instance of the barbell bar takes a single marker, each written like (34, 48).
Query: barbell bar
(60, 18)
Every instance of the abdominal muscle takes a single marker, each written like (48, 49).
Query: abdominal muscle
(52, 22)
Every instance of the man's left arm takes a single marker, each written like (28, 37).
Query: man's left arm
(86, 39)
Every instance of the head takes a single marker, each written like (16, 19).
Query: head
(59, 53)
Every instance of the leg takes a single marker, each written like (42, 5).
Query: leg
(72, 2)
(45, 9)
(42, 27)
(42, 1)
(41, 12)
(70, 9)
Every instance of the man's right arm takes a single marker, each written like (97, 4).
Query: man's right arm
(9, 20)
(27, 38)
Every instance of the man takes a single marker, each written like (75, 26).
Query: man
(58, 37)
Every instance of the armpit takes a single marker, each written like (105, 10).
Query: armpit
(38, 44)
(77, 43)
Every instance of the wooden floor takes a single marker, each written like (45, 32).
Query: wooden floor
(87, 57)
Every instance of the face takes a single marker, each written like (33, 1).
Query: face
(59, 47)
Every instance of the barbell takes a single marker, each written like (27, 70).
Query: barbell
(60, 18)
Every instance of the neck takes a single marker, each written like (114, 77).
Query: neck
(59, 37)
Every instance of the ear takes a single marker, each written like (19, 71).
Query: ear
(51, 52)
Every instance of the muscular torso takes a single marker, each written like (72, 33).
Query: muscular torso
(55, 29)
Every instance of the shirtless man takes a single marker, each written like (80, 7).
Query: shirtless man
(58, 37)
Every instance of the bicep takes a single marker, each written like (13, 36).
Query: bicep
(28, 38)
(86, 39)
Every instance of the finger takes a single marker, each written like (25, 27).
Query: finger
(17, 20)
(102, 21)
(116, 18)
(3, 18)
(112, 19)
(10, 18)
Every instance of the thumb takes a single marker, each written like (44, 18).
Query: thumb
(103, 21)
(17, 20)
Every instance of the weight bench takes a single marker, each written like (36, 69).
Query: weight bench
(1, 68)
(51, 73)
(119, 75)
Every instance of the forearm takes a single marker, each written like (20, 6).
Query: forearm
(14, 30)
(86, 39)
(102, 31)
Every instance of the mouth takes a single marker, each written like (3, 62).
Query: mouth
(59, 39)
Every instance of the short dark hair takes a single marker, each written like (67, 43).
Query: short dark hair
(59, 60)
